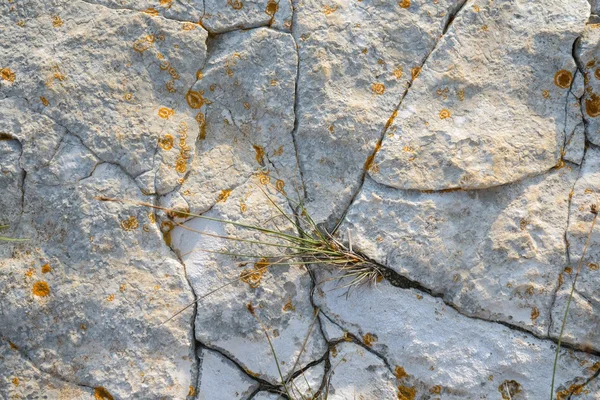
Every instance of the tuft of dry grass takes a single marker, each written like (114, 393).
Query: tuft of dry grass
(8, 239)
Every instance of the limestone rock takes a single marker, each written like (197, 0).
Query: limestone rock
(473, 247)
(582, 319)
(357, 373)
(308, 383)
(489, 105)
(434, 350)
(220, 16)
(246, 105)
(588, 53)
(220, 379)
(357, 60)
(241, 296)
(21, 379)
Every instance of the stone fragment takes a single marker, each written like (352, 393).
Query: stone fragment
(582, 320)
(358, 373)
(245, 101)
(588, 53)
(243, 296)
(220, 379)
(357, 60)
(220, 16)
(488, 107)
(473, 247)
(434, 350)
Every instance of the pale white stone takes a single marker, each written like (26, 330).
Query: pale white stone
(505, 70)
(588, 52)
(222, 16)
(440, 349)
(582, 321)
(356, 62)
(220, 379)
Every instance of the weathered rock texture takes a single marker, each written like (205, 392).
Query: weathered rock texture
(455, 142)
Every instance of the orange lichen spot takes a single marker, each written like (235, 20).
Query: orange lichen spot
(130, 223)
(398, 72)
(593, 266)
(41, 289)
(29, 273)
(574, 389)
(437, 389)
(243, 207)
(165, 112)
(235, 4)
(274, 82)
(21, 23)
(279, 151)
(46, 268)
(122, 287)
(264, 178)
(460, 94)
(369, 339)
(44, 101)
(272, 8)
(484, 28)
(444, 114)
(329, 9)
(371, 158)
(195, 99)
(535, 313)
(254, 276)
(141, 45)
(101, 393)
(443, 92)
(7, 75)
(563, 79)
(289, 306)
(399, 372)
(380, 61)
(166, 3)
(509, 389)
(592, 105)
(224, 195)
(404, 3)
(260, 154)
(246, 105)
(13, 346)
(546, 94)
(192, 391)
(476, 8)
(280, 186)
(56, 21)
(406, 393)
(15, 381)
(378, 88)
(166, 142)
(415, 72)
(110, 297)
(365, 50)
(188, 26)
(151, 11)
(568, 270)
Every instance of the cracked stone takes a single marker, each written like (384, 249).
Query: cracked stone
(357, 59)
(582, 321)
(247, 100)
(488, 108)
(473, 247)
(307, 384)
(435, 350)
(588, 52)
(220, 379)
(220, 16)
(234, 310)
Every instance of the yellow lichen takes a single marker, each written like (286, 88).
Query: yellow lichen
(7, 75)
(56, 21)
(46, 268)
(195, 99)
(223, 196)
(369, 339)
(329, 9)
(254, 276)
(592, 105)
(563, 79)
(272, 7)
(280, 185)
(546, 94)
(399, 372)
(151, 11)
(41, 289)
(535, 313)
(404, 3)
(444, 114)
(130, 223)
(235, 4)
(406, 393)
(437, 389)
(166, 3)
(415, 72)
(15, 381)
(44, 101)
(166, 142)
(398, 72)
(101, 393)
(191, 392)
(378, 88)
(260, 154)
(593, 266)
(460, 94)
(110, 297)
(165, 112)
(509, 389)
(289, 306)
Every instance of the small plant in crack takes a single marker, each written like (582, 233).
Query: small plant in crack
(307, 245)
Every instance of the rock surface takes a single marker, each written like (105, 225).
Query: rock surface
(455, 140)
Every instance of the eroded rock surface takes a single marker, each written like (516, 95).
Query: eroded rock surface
(456, 140)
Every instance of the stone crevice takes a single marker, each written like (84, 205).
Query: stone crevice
(449, 22)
